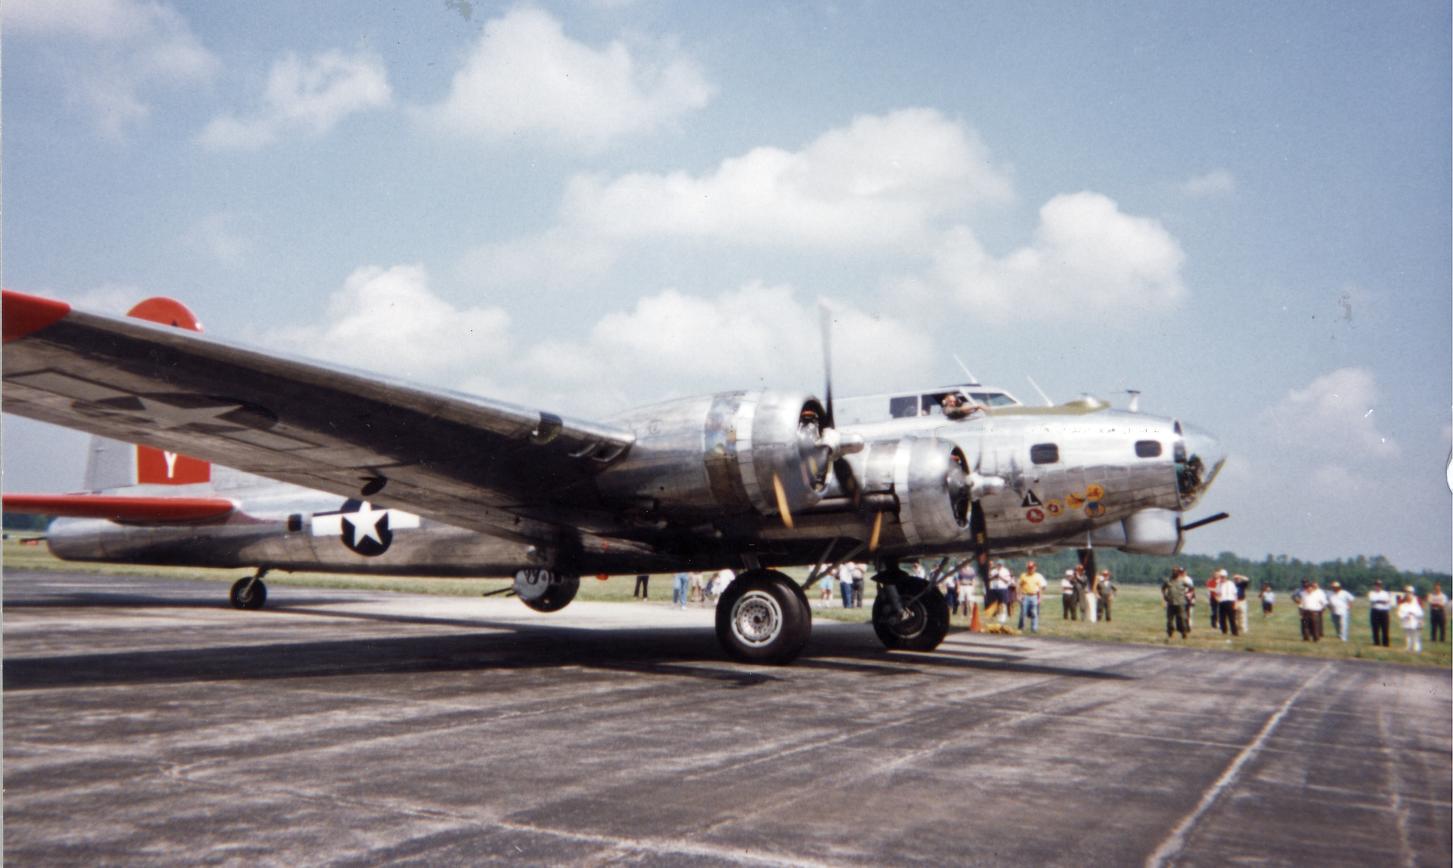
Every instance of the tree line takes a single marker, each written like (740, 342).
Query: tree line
(1281, 572)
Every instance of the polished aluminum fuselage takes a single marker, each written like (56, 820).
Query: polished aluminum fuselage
(696, 490)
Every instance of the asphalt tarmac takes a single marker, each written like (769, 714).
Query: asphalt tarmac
(145, 721)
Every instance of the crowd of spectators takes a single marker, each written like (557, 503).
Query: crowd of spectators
(1090, 598)
(1227, 603)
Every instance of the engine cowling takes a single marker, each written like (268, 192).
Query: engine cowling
(929, 481)
(722, 454)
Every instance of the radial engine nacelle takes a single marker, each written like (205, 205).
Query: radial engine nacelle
(733, 452)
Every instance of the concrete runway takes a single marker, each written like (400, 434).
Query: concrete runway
(147, 722)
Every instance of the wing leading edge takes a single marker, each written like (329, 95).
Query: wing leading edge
(475, 463)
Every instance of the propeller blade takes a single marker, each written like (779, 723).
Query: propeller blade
(1202, 522)
(877, 531)
(825, 320)
(782, 505)
(980, 529)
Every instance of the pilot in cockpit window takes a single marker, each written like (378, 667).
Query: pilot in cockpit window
(955, 407)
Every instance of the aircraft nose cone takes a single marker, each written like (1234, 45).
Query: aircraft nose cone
(1197, 463)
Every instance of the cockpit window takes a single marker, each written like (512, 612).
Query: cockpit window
(1147, 448)
(906, 405)
(1044, 453)
(992, 399)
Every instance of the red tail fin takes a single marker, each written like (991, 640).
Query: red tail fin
(154, 466)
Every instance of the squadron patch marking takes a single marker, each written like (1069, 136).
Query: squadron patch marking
(1095, 491)
(1054, 507)
(1035, 515)
(1074, 501)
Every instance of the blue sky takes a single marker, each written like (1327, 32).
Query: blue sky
(1241, 210)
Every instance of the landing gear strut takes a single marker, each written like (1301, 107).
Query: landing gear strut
(249, 593)
(763, 617)
(909, 614)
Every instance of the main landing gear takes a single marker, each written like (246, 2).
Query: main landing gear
(763, 617)
(249, 593)
(909, 614)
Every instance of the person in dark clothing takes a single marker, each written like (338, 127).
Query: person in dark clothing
(643, 587)
(1176, 591)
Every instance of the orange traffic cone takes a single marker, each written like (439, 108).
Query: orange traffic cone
(975, 626)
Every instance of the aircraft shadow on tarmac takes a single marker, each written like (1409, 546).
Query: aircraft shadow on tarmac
(664, 651)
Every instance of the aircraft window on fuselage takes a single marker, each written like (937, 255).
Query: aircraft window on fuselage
(903, 407)
(1147, 448)
(1044, 453)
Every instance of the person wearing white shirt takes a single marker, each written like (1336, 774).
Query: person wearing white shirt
(1410, 615)
(1067, 597)
(1268, 600)
(719, 584)
(1340, 602)
(1224, 599)
(1311, 605)
(999, 580)
(1379, 604)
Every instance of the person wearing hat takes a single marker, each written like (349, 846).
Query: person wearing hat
(1067, 597)
(1410, 616)
(1340, 602)
(1106, 589)
(1223, 599)
(1176, 591)
(1379, 603)
(1242, 584)
(1031, 587)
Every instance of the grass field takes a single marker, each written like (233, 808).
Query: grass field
(1139, 616)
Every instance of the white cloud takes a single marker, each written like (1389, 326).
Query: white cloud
(878, 182)
(309, 97)
(1087, 255)
(672, 343)
(133, 49)
(389, 320)
(1334, 416)
(1219, 182)
(525, 77)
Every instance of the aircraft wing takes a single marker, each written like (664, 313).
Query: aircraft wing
(471, 462)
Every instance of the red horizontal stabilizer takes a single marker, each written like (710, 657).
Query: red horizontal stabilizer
(24, 314)
(141, 510)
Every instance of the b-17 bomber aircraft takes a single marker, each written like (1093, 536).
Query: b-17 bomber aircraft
(246, 458)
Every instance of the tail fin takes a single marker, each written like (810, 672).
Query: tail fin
(114, 465)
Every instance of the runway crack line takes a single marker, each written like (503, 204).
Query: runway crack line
(1176, 841)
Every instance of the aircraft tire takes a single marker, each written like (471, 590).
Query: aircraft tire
(243, 598)
(763, 617)
(927, 621)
